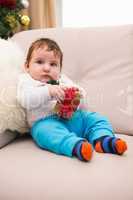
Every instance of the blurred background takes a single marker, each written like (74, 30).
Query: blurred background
(63, 13)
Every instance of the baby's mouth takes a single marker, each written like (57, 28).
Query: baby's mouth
(46, 78)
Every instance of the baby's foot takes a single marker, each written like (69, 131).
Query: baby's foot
(83, 150)
(110, 145)
(120, 146)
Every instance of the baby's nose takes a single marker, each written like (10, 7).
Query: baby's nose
(46, 67)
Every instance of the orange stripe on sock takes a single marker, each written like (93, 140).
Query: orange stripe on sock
(121, 146)
(98, 147)
(86, 151)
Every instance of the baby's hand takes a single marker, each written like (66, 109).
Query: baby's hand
(57, 92)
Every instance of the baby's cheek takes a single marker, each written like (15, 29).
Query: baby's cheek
(56, 75)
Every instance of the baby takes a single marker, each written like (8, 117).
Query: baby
(76, 136)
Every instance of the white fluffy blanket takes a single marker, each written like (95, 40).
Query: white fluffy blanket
(12, 116)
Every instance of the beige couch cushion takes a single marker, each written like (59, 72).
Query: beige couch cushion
(30, 173)
(100, 60)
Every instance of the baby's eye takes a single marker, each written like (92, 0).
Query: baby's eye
(53, 64)
(39, 61)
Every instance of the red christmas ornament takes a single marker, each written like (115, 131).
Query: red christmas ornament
(69, 105)
(8, 3)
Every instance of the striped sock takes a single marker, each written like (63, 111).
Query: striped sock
(109, 144)
(83, 150)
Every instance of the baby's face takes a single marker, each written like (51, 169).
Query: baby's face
(44, 65)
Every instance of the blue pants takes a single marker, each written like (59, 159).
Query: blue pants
(60, 136)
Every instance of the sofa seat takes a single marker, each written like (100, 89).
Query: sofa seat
(30, 173)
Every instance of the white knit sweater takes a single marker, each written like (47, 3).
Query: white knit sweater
(34, 96)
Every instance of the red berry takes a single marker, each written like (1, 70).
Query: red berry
(8, 3)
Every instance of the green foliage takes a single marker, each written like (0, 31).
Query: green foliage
(10, 19)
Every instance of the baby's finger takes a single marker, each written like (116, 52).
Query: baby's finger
(64, 87)
(61, 93)
(60, 96)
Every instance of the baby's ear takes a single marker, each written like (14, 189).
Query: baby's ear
(26, 67)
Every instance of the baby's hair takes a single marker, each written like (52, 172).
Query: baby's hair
(51, 46)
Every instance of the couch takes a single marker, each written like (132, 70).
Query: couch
(100, 59)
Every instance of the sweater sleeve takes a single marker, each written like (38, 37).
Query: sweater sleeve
(31, 96)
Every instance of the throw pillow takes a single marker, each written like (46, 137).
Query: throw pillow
(12, 115)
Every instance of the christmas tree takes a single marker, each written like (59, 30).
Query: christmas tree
(11, 17)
